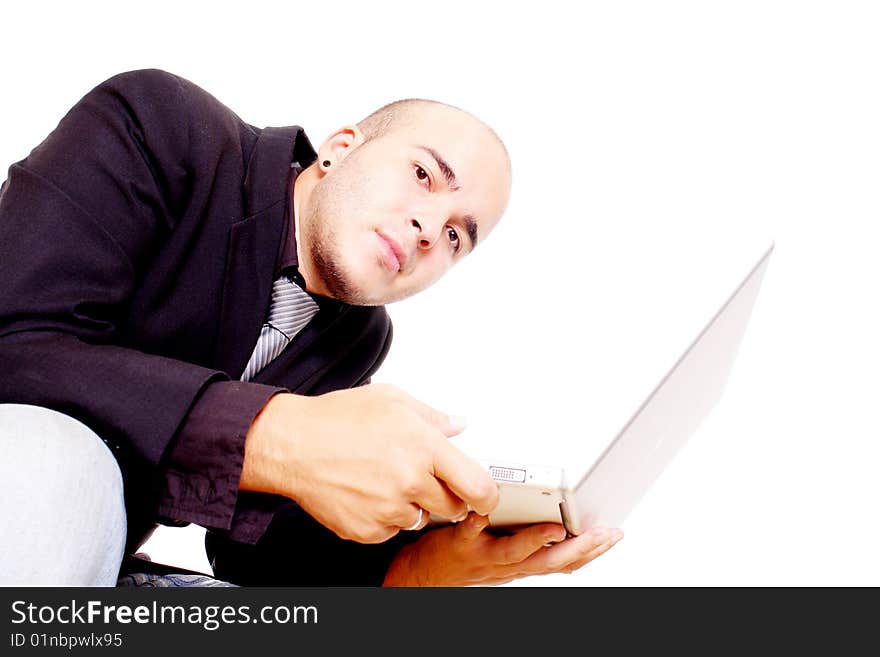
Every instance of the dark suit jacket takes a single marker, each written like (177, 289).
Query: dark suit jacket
(137, 251)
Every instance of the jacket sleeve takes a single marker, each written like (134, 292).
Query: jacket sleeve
(201, 472)
(80, 219)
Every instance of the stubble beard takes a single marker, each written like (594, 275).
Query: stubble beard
(326, 259)
(326, 262)
(337, 281)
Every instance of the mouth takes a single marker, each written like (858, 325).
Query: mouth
(392, 254)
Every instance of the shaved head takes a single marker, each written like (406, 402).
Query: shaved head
(393, 115)
(403, 112)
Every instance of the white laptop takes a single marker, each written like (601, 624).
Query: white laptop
(633, 461)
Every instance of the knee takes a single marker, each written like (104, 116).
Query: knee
(57, 451)
(63, 497)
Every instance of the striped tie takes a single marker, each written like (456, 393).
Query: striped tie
(290, 310)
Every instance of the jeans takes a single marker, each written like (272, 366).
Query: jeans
(62, 511)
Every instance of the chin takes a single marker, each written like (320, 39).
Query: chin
(378, 295)
(361, 283)
(355, 290)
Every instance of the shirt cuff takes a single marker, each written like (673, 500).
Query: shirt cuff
(201, 471)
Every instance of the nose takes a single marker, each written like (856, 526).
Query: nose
(425, 237)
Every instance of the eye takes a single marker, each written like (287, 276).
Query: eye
(422, 175)
(452, 234)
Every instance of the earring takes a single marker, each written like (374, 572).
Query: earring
(326, 163)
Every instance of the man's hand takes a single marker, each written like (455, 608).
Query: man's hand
(463, 554)
(362, 461)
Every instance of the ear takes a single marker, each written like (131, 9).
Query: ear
(338, 146)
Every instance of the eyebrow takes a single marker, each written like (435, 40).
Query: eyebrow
(469, 222)
(471, 225)
(448, 173)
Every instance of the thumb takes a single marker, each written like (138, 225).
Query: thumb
(471, 527)
(449, 425)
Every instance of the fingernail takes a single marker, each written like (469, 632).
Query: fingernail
(555, 536)
(616, 535)
(460, 517)
(458, 421)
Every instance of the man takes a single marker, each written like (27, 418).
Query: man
(205, 298)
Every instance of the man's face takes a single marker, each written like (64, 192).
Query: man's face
(394, 214)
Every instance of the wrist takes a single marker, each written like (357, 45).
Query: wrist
(269, 460)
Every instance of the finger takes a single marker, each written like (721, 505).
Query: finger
(580, 549)
(593, 554)
(601, 543)
(417, 518)
(435, 497)
(465, 477)
(450, 425)
(469, 529)
(375, 534)
(525, 542)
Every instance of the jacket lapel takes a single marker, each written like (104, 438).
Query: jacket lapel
(247, 287)
(254, 244)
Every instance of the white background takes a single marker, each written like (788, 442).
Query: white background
(657, 149)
